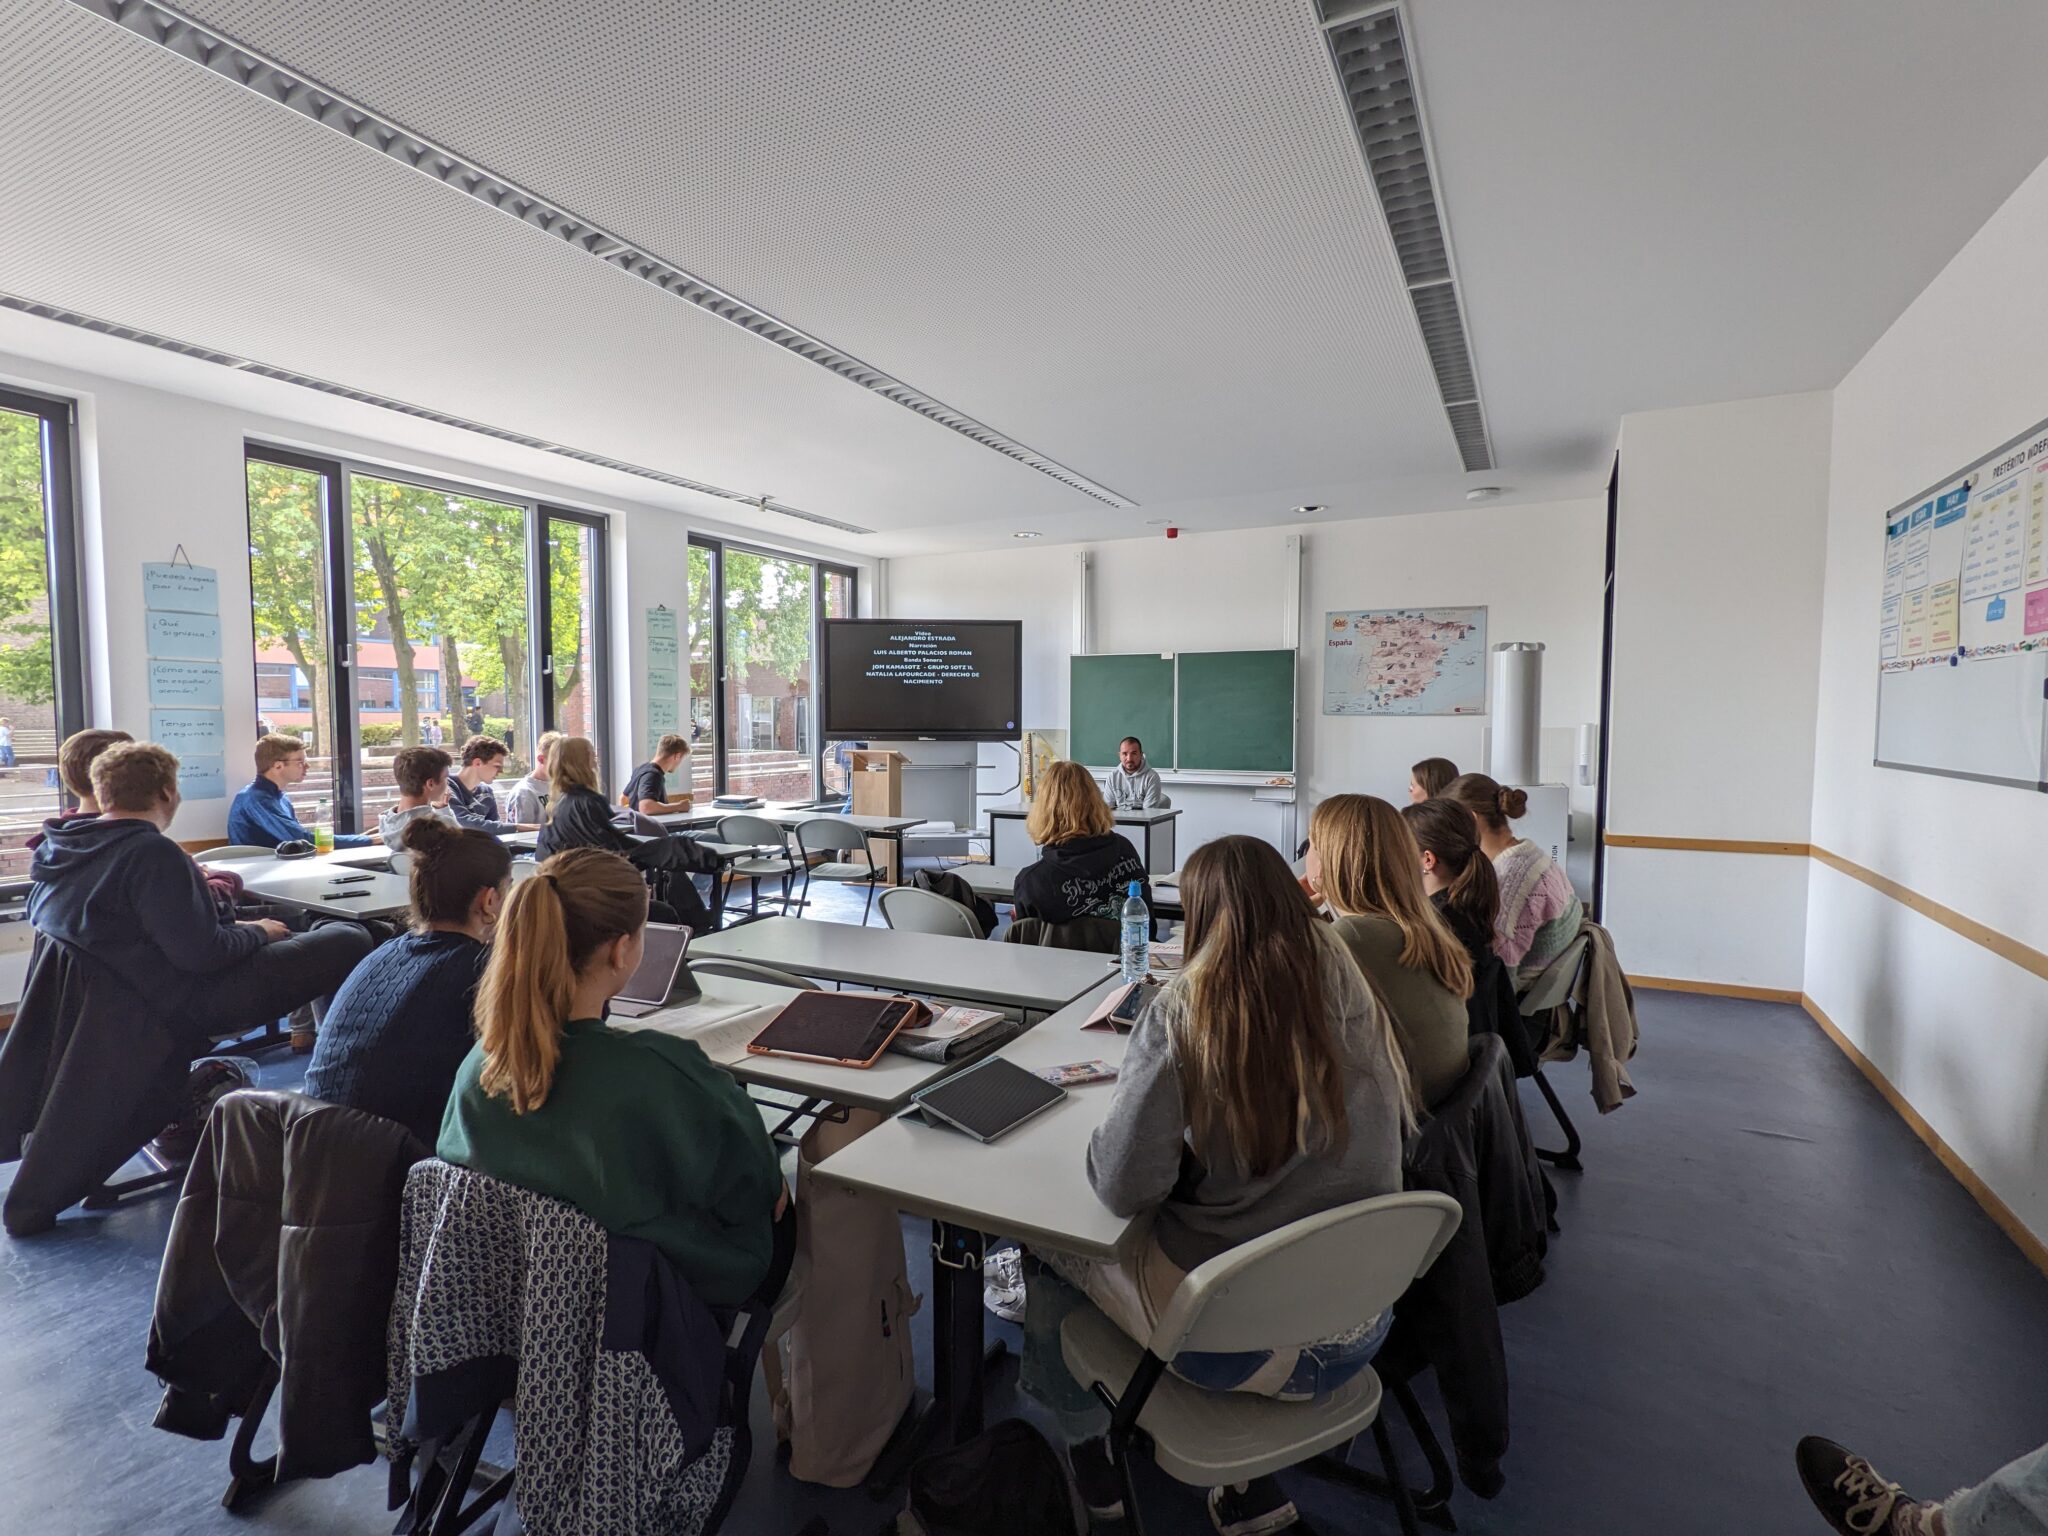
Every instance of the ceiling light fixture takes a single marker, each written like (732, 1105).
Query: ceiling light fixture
(1158, 522)
(1483, 493)
(1027, 535)
(1307, 511)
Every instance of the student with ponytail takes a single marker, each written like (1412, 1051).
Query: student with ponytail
(1362, 860)
(399, 1026)
(1458, 877)
(1540, 913)
(635, 1128)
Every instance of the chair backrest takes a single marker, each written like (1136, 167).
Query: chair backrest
(1310, 1279)
(1091, 935)
(524, 869)
(1554, 985)
(916, 911)
(754, 831)
(401, 861)
(747, 970)
(828, 834)
(1165, 803)
(232, 851)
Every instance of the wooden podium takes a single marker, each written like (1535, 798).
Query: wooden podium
(878, 791)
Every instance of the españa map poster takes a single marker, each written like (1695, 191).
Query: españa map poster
(1405, 661)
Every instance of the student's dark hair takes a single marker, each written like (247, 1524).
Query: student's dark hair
(1133, 741)
(75, 758)
(1434, 774)
(414, 768)
(450, 865)
(1263, 1074)
(1472, 890)
(483, 749)
(1483, 797)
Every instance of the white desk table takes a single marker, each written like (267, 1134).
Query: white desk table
(323, 886)
(1031, 1184)
(1010, 846)
(974, 970)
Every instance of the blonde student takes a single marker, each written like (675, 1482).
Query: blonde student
(634, 1127)
(1540, 913)
(1262, 1085)
(1364, 861)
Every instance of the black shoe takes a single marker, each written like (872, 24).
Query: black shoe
(1855, 1498)
(1251, 1509)
(1102, 1491)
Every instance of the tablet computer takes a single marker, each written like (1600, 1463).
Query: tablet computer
(846, 1029)
(660, 976)
(988, 1099)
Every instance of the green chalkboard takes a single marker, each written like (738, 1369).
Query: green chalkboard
(1236, 712)
(1111, 697)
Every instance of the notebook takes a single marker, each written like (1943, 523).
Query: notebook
(988, 1099)
(660, 978)
(848, 1029)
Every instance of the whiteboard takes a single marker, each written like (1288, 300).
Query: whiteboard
(1962, 649)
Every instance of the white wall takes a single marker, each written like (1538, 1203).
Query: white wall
(1718, 556)
(159, 469)
(1961, 1033)
(1537, 569)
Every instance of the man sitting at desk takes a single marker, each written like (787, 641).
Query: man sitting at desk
(647, 790)
(1132, 785)
(261, 816)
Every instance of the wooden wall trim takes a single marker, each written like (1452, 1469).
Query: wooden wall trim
(2025, 956)
(1790, 995)
(1706, 845)
(2003, 1214)
(201, 844)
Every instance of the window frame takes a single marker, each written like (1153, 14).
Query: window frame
(541, 595)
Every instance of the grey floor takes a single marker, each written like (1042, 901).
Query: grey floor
(1757, 1249)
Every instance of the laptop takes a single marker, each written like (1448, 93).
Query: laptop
(661, 981)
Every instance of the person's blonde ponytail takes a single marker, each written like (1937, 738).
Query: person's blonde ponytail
(556, 920)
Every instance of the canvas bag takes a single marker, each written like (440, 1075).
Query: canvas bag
(850, 1373)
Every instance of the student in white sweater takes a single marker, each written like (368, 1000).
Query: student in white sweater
(421, 774)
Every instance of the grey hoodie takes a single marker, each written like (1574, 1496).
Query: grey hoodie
(1138, 791)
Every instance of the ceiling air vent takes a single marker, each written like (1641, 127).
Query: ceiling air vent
(407, 408)
(1370, 50)
(281, 85)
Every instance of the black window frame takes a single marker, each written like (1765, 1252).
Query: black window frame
(541, 591)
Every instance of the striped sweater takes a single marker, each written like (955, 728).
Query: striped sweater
(1539, 911)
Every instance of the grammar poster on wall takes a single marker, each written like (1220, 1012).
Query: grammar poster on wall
(1963, 621)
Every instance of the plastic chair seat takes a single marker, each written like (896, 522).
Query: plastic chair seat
(1209, 1439)
(761, 867)
(843, 871)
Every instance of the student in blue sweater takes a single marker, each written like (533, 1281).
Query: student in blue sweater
(401, 1025)
(261, 816)
(470, 795)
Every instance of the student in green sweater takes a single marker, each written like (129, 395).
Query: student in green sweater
(635, 1128)
(1362, 859)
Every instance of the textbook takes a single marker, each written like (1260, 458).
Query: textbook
(953, 1032)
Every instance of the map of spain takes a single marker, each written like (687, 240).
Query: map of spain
(1405, 661)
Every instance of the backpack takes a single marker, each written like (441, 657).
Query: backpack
(1006, 1481)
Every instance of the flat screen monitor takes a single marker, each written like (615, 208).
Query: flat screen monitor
(942, 679)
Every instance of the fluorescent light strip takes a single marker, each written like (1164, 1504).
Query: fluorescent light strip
(278, 83)
(407, 408)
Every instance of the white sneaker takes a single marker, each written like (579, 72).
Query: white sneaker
(1002, 1284)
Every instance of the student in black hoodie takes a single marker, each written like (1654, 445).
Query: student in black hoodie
(579, 817)
(131, 898)
(1085, 866)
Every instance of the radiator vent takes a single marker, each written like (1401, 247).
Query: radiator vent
(278, 83)
(1370, 50)
(407, 408)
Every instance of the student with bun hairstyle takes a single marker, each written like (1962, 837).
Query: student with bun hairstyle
(400, 1025)
(1362, 861)
(1539, 913)
(1430, 778)
(1458, 877)
(634, 1127)
(1263, 1084)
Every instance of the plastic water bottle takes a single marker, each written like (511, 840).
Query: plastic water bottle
(1137, 941)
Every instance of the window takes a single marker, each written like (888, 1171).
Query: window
(836, 596)
(753, 620)
(424, 592)
(42, 694)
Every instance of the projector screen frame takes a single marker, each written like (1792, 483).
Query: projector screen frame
(827, 728)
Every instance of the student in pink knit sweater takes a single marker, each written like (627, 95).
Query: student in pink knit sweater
(1540, 913)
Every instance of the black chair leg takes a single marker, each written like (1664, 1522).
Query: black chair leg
(1404, 1507)
(161, 1174)
(869, 905)
(1129, 1485)
(1437, 1496)
(1569, 1157)
(247, 1476)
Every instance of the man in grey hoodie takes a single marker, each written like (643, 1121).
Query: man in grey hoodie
(1132, 785)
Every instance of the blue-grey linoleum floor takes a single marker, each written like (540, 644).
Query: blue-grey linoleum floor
(1758, 1248)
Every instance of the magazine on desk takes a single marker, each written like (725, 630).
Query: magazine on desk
(952, 1032)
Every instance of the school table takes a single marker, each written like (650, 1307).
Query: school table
(1010, 846)
(1021, 976)
(1031, 1184)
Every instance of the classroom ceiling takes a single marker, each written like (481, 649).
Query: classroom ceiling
(1130, 244)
